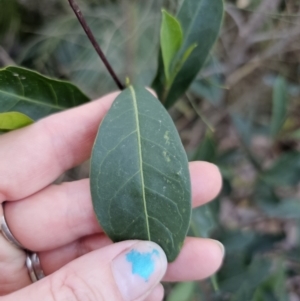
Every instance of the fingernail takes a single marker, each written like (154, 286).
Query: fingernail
(221, 246)
(138, 270)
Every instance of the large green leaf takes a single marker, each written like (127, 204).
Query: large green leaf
(201, 22)
(140, 181)
(280, 104)
(170, 40)
(27, 92)
(13, 120)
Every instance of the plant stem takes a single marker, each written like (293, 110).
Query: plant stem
(204, 120)
(91, 37)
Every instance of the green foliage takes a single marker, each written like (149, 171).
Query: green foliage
(244, 128)
(13, 120)
(34, 95)
(9, 18)
(127, 31)
(207, 149)
(246, 269)
(204, 221)
(209, 89)
(200, 21)
(285, 171)
(274, 288)
(280, 105)
(170, 40)
(274, 206)
(140, 179)
(255, 274)
(257, 214)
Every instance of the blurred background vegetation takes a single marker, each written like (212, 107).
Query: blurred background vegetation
(241, 113)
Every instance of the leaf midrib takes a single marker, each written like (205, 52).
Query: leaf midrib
(140, 157)
(31, 100)
(187, 33)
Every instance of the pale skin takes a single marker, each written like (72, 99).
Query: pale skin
(58, 222)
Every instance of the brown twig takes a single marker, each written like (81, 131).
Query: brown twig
(91, 37)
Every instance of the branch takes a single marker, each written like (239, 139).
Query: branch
(91, 37)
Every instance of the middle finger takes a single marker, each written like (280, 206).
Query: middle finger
(61, 214)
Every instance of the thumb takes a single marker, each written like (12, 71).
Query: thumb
(125, 271)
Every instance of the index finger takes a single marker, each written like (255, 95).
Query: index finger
(33, 157)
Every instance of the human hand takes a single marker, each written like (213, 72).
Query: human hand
(57, 221)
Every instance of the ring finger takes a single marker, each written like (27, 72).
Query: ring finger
(13, 273)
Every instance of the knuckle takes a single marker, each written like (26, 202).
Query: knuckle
(50, 129)
(70, 286)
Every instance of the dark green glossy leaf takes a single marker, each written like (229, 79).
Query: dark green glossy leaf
(13, 120)
(34, 95)
(280, 104)
(200, 21)
(140, 181)
(170, 39)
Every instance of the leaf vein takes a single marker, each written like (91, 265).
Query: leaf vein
(140, 156)
(156, 120)
(107, 154)
(26, 99)
(124, 185)
(165, 197)
(53, 92)
(121, 114)
(130, 224)
(22, 86)
(161, 172)
(162, 147)
(168, 230)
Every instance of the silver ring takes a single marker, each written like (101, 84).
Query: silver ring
(34, 267)
(6, 232)
(33, 263)
(29, 266)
